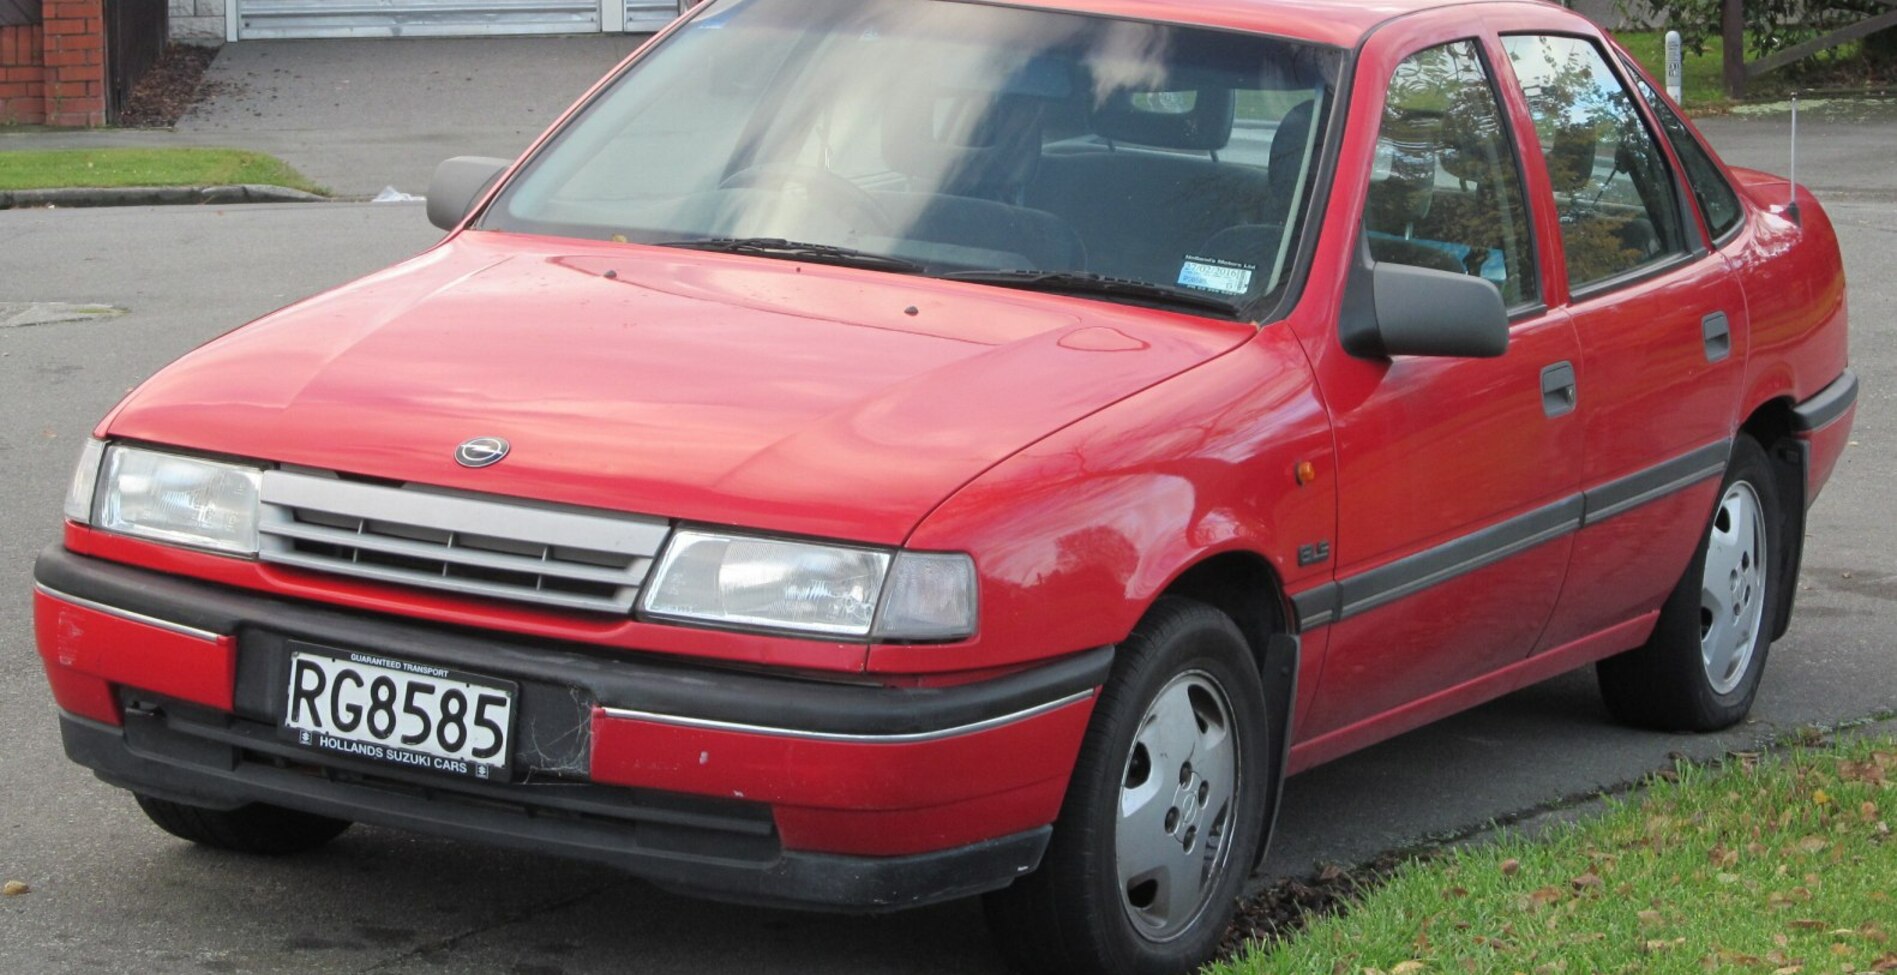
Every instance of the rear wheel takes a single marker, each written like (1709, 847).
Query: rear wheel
(256, 828)
(1700, 669)
(1161, 821)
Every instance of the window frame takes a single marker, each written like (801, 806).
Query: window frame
(1685, 208)
(1533, 302)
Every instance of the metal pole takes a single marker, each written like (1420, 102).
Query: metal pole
(1674, 67)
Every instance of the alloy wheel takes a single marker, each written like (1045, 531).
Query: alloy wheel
(1177, 809)
(1732, 591)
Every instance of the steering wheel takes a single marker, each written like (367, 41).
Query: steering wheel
(822, 187)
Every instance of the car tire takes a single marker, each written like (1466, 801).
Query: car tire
(1139, 820)
(255, 828)
(1700, 669)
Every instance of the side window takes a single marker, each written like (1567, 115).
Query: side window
(1446, 192)
(1717, 201)
(1618, 211)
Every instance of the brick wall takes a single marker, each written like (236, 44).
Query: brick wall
(53, 72)
(75, 62)
(22, 77)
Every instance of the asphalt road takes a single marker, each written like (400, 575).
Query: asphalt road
(111, 893)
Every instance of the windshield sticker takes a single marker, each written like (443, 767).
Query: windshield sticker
(1212, 274)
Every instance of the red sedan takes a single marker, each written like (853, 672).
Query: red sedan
(872, 452)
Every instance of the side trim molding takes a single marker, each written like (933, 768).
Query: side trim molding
(1829, 404)
(1624, 494)
(1333, 602)
(1483, 547)
(1316, 606)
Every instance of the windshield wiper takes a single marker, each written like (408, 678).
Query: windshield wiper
(793, 250)
(1088, 283)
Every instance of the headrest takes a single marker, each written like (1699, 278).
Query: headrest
(1571, 157)
(1469, 142)
(1403, 187)
(1197, 119)
(964, 143)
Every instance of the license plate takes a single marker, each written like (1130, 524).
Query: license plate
(399, 712)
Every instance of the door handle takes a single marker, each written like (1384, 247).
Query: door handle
(1558, 392)
(1717, 333)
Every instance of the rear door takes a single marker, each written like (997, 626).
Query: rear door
(1661, 323)
(1457, 478)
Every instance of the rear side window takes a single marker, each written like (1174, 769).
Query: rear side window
(1611, 184)
(1445, 191)
(1717, 201)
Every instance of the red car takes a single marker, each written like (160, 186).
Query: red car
(872, 452)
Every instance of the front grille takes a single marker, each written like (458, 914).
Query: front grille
(500, 548)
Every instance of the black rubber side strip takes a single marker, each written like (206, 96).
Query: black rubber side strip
(1316, 606)
(1414, 573)
(615, 678)
(1335, 601)
(1607, 500)
(1828, 405)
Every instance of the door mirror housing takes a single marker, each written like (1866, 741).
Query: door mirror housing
(1423, 311)
(458, 182)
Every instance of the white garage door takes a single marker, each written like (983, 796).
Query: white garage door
(441, 18)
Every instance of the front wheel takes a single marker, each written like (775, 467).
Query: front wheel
(1163, 815)
(256, 828)
(1700, 669)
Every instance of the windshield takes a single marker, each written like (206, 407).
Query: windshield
(1027, 148)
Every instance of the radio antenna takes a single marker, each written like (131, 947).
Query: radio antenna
(1791, 203)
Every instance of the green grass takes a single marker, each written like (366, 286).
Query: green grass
(37, 169)
(1775, 864)
(1702, 87)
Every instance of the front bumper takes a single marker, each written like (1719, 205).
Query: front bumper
(740, 786)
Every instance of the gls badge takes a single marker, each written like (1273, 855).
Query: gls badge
(481, 452)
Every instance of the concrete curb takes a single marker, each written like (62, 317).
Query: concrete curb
(144, 196)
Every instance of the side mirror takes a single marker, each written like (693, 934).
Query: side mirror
(1423, 311)
(457, 184)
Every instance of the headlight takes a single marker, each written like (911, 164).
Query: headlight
(181, 500)
(85, 482)
(779, 584)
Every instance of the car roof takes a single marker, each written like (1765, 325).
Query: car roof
(1334, 22)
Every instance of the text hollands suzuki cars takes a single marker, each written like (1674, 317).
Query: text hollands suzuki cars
(875, 451)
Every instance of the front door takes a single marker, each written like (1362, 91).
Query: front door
(1457, 478)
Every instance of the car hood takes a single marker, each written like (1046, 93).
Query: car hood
(705, 387)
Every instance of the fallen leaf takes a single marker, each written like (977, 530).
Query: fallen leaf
(1812, 844)
(1820, 797)
(1511, 867)
(14, 888)
(1809, 924)
(1586, 880)
(1649, 918)
(1407, 968)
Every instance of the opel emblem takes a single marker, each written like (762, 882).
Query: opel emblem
(481, 452)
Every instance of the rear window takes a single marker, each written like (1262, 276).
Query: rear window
(1717, 201)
